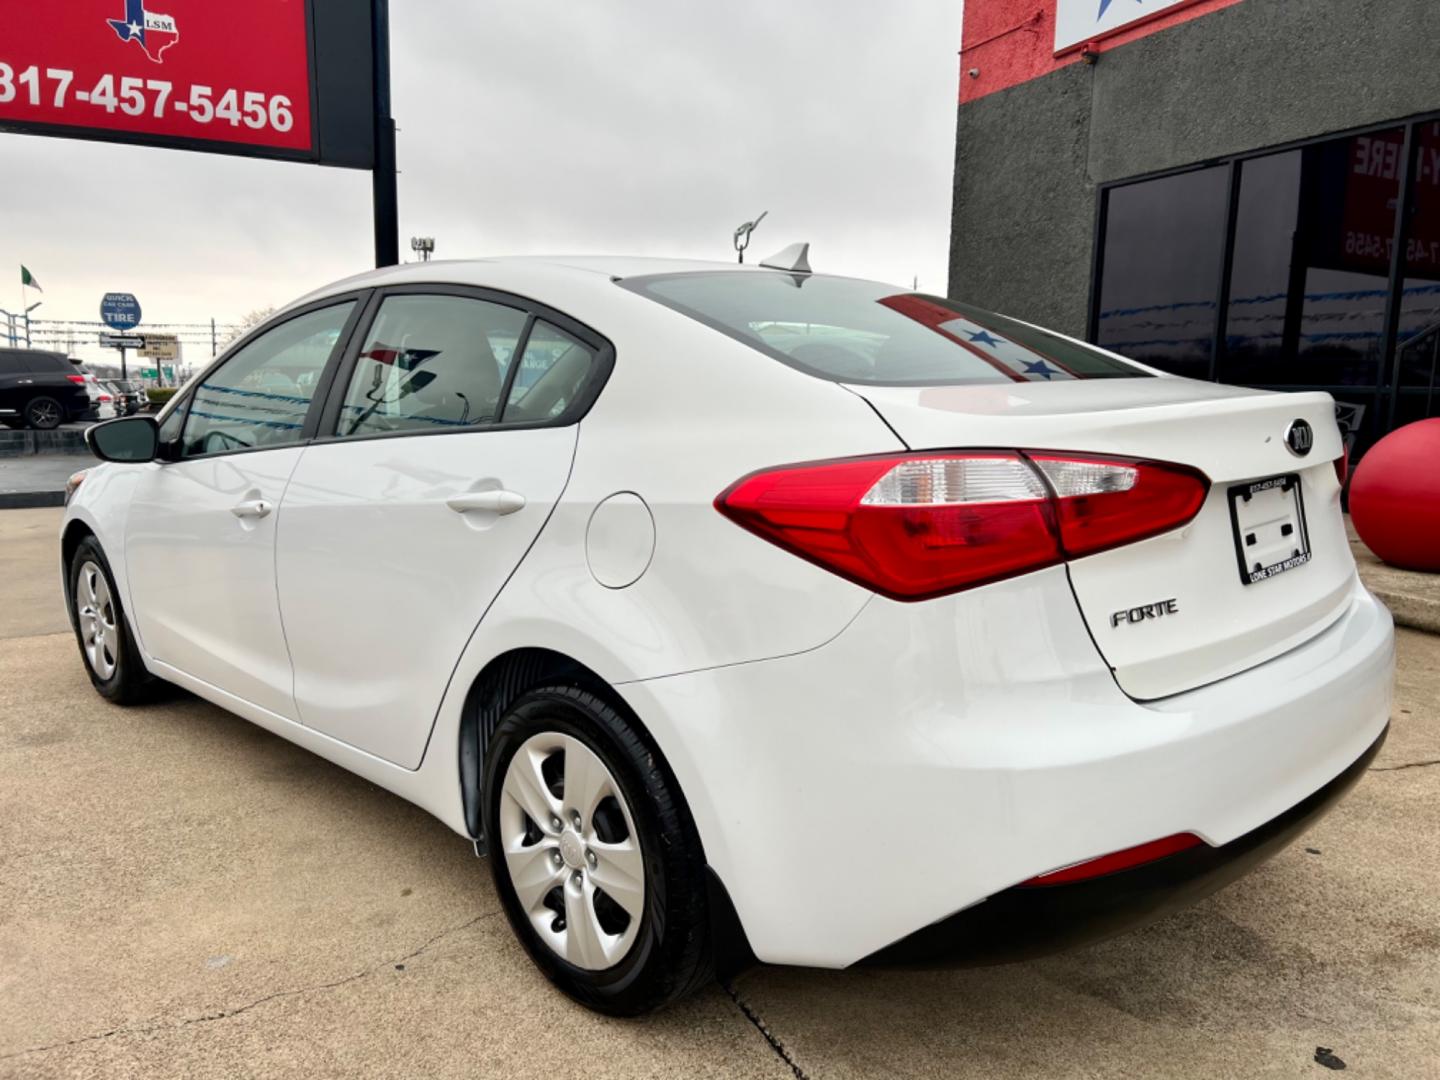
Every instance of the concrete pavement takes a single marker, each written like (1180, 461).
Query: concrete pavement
(30, 601)
(182, 893)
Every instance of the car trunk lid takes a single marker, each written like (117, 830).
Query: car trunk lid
(1178, 610)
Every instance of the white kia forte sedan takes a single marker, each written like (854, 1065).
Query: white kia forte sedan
(748, 613)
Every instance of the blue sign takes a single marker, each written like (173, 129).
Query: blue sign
(120, 311)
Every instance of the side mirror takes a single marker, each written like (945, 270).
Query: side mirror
(129, 439)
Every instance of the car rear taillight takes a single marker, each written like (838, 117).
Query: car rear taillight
(1117, 860)
(913, 526)
(78, 380)
(1105, 502)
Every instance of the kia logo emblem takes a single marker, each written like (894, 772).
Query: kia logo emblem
(1299, 437)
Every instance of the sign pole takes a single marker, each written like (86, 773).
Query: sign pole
(387, 200)
(123, 374)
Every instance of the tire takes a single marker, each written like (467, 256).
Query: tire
(119, 674)
(44, 413)
(670, 952)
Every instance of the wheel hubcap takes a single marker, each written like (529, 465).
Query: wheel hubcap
(570, 845)
(99, 633)
(43, 413)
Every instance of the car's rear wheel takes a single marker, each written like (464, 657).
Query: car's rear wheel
(594, 854)
(111, 658)
(44, 413)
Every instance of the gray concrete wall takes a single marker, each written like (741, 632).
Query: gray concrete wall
(1023, 214)
(1258, 74)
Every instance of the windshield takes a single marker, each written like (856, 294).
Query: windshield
(854, 331)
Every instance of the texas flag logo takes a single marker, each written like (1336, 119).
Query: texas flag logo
(155, 33)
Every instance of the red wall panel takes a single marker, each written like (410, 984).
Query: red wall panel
(1013, 41)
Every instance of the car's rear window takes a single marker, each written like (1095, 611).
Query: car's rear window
(853, 331)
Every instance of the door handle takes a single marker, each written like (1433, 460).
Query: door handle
(252, 508)
(497, 502)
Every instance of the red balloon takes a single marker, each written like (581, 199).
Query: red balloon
(1395, 497)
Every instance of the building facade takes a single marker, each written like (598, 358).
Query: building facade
(1241, 190)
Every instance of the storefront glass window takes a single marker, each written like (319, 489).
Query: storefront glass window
(1265, 236)
(1349, 189)
(1311, 264)
(1418, 347)
(1164, 242)
(1308, 288)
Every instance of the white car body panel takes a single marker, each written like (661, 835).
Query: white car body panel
(202, 581)
(380, 580)
(988, 718)
(1227, 431)
(1223, 626)
(799, 711)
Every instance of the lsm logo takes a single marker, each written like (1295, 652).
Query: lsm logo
(151, 31)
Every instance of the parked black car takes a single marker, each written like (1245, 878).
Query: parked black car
(40, 389)
(130, 397)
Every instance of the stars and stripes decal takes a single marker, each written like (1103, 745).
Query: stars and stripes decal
(1000, 350)
(1010, 358)
(401, 358)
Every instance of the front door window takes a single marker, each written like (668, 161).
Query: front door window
(259, 397)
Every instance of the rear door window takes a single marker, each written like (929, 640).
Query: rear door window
(863, 332)
(431, 363)
(552, 374)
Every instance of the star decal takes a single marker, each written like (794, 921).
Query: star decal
(984, 338)
(1039, 367)
(134, 29)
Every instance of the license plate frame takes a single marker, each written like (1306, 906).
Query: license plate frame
(1267, 519)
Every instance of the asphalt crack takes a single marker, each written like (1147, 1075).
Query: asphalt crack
(760, 1026)
(225, 1014)
(1407, 765)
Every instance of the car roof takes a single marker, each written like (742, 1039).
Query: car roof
(501, 272)
(31, 352)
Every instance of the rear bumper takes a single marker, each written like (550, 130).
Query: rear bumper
(932, 756)
(1024, 922)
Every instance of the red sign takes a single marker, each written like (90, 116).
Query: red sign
(193, 71)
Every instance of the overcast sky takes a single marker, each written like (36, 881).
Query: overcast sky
(538, 126)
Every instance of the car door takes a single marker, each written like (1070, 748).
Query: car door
(200, 536)
(415, 503)
(13, 374)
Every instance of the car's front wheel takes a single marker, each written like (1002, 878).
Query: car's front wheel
(594, 854)
(111, 658)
